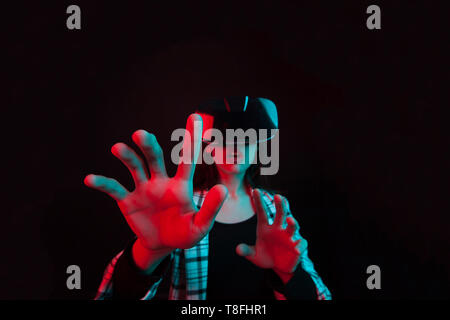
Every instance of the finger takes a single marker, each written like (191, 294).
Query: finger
(133, 162)
(260, 207)
(287, 205)
(107, 185)
(301, 245)
(244, 250)
(292, 226)
(191, 147)
(205, 217)
(281, 211)
(152, 152)
(298, 246)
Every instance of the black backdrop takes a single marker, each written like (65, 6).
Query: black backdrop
(362, 142)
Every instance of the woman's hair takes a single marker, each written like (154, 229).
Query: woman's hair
(206, 176)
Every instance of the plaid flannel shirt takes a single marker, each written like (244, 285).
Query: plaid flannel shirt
(189, 268)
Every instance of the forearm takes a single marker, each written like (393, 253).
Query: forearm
(285, 277)
(136, 282)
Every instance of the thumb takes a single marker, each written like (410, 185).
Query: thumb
(205, 217)
(246, 251)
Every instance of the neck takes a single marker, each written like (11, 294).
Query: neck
(234, 183)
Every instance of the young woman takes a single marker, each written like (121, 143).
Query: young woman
(196, 245)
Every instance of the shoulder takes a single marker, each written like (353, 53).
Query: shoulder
(268, 199)
(266, 194)
(269, 196)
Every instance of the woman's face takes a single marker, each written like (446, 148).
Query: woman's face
(233, 161)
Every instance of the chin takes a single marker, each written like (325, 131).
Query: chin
(233, 168)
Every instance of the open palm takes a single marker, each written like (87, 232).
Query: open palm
(278, 245)
(160, 210)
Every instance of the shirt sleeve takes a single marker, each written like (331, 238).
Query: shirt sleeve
(305, 284)
(124, 280)
(299, 287)
(307, 265)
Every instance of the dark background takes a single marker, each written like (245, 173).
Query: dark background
(362, 140)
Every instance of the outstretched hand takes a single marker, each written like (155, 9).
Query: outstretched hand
(160, 210)
(279, 245)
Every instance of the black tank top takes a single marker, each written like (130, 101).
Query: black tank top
(231, 276)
